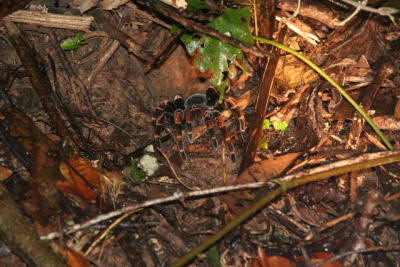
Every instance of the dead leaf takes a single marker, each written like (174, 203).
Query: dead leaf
(272, 261)
(319, 257)
(4, 173)
(397, 109)
(81, 179)
(258, 172)
(85, 5)
(112, 4)
(74, 258)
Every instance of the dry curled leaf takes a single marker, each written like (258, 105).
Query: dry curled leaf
(81, 179)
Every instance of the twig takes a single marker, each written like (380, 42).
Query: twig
(386, 156)
(117, 34)
(187, 23)
(82, 96)
(383, 11)
(102, 62)
(345, 254)
(352, 15)
(107, 122)
(39, 78)
(173, 170)
(108, 229)
(80, 23)
(284, 187)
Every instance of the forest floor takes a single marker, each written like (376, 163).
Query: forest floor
(92, 133)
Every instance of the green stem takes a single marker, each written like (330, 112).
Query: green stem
(388, 157)
(333, 83)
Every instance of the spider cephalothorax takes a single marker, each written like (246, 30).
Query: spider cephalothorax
(179, 115)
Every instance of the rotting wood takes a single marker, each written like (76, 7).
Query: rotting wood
(81, 23)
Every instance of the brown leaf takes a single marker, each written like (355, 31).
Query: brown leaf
(81, 179)
(258, 172)
(397, 109)
(319, 257)
(74, 258)
(271, 261)
(4, 173)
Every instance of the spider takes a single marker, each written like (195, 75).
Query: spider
(179, 115)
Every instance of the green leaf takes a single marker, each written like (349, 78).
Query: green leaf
(213, 256)
(263, 143)
(69, 44)
(174, 29)
(190, 43)
(234, 23)
(280, 125)
(215, 55)
(194, 5)
(266, 124)
(73, 43)
(137, 175)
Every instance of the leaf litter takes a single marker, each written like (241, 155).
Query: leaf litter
(344, 213)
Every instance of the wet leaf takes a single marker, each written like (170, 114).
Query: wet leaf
(81, 179)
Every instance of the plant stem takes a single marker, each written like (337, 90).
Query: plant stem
(333, 83)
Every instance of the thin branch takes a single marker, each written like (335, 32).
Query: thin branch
(187, 23)
(383, 11)
(202, 193)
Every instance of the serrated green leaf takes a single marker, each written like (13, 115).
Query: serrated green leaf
(194, 5)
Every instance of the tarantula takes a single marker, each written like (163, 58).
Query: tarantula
(180, 114)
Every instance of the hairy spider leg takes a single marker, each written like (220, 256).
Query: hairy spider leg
(192, 115)
(161, 117)
(209, 120)
(195, 106)
(233, 105)
(178, 121)
(227, 138)
(212, 96)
